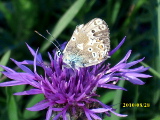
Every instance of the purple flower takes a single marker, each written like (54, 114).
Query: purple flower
(71, 93)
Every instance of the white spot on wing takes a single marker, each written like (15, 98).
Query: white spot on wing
(90, 49)
(99, 21)
(90, 61)
(94, 54)
(80, 46)
(103, 27)
(73, 38)
(80, 26)
(76, 31)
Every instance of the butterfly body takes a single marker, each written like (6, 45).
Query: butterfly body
(89, 44)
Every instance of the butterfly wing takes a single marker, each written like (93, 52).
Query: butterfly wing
(89, 44)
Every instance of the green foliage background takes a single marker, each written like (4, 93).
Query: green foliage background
(139, 20)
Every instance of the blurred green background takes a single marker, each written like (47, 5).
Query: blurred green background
(139, 20)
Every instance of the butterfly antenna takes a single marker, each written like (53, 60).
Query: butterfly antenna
(47, 39)
(53, 38)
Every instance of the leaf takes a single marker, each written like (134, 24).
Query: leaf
(63, 22)
(30, 114)
(4, 59)
(107, 97)
(12, 109)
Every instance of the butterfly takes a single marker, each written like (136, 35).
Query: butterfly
(89, 44)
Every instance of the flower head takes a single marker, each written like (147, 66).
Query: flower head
(70, 93)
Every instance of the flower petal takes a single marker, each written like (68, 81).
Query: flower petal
(11, 83)
(111, 86)
(24, 68)
(9, 70)
(118, 46)
(29, 92)
(49, 113)
(39, 106)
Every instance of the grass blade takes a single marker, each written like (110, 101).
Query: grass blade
(63, 22)
(4, 59)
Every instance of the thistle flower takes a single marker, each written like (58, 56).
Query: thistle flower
(70, 94)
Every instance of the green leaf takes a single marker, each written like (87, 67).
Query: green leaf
(156, 117)
(63, 22)
(137, 5)
(117, 100)
(5, 11)
(115, 12)
(153, 71)
(4, 59)
(107, 97)
(32, 114)
(12, 109)
(18, 88)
